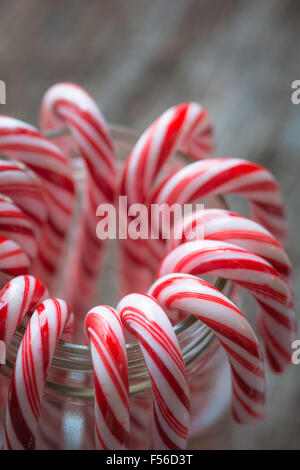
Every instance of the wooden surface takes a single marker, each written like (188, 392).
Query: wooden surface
(238, 58)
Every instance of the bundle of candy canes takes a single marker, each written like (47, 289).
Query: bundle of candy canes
(161, 279)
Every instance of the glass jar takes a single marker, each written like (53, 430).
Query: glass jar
(66, 420)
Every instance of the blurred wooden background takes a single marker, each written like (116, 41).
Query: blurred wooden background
(238, 58)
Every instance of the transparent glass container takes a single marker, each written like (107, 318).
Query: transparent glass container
(66, 420)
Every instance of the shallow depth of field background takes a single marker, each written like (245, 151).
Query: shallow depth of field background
(237, 58)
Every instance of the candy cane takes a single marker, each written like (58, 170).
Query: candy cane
(218, 224)
(20, 295)
(222, 225)
(185, 127)
(193, 296)
(143, 316)
(30, 371)
(224, 176)
(251, 272)
(16, 225)
(17, 238)
(108, 349)
(68, 104)
(22, 187)
(22, 141)
(13, 260)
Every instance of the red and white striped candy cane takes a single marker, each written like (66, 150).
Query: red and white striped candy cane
(29, 376)
(144, 317)
(23, 142)
(185, 127)
(67, 104)
(251, 272)
(223, 225)
(194, 296)
(18, 242)
(25, 190)
(108, 349)
(16, 225)
(227, 176)
(13, 260)
(19, 296)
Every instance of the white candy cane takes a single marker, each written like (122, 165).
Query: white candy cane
(251, 272)
(108, 349)
(228, 176)
(23, 142)
(143, 316)
(67, 104)
(193, 296)
(29, 376)
(19, 296)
